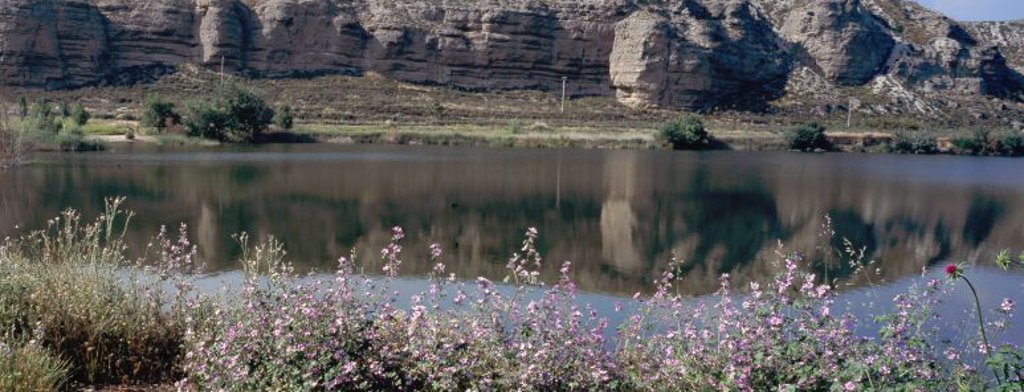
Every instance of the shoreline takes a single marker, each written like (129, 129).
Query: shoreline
(534, 136)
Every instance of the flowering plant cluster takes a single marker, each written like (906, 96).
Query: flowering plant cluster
(785, 334)
(90, 316)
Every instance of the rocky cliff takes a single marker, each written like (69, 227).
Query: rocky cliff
(692, 54)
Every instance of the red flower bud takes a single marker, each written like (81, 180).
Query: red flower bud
(951, 269)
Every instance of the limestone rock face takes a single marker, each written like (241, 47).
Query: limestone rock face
(648, 57)
(695, 54)
(51, 43)
(847, 43)
(723, 53)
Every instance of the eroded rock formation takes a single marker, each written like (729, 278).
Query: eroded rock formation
(694, 54)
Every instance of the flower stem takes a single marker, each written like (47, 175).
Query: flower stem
(981, 325)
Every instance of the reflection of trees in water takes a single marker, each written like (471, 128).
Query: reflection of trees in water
(981, 218)
(737, 224)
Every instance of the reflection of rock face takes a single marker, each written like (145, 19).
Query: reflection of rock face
(619, 217)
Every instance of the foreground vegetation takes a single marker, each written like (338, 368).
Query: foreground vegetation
(76, 311)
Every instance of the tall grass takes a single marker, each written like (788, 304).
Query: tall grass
(30, 367)
(73, 281)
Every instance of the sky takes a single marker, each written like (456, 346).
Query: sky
(971, 10)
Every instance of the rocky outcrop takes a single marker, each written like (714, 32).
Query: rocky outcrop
(845, 42)
(51, 43)
(1008, 36)
(719, 53)
(695, 54)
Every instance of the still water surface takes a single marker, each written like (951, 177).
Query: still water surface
(618, 215)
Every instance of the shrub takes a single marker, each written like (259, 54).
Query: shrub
(30, 367)
(13, 143)
(1010, 143)
(41, 121)
(978, 142)
(284, 118)
(686, 133)
(22, 107)
(515, 126)
(905, 142)
(70, 282)
(79, 115)
(808, 137)
(158, 114)
(64, 109)
(234, 114)
(437, 110)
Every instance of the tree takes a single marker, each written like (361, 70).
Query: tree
(158, 113)
(234, 114)
(686, 133)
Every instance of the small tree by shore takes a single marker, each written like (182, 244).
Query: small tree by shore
(686, 133)
(235, 113)
(808, 137)
(158, 114)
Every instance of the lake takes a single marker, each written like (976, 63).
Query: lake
(618, 215)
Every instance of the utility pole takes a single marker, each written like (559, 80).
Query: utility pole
(849, 113)
(564, 80)
(222, 70)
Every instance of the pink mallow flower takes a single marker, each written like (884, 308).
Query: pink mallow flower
(1006, 306)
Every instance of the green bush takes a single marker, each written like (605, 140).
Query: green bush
(234, 114)
(41, 120)
(686, 133)
(158, 114)
(808, 137)
(79, 115)
(284, 118)
(1010, 143)
(977, 143)
(914, 143)
(983, 142)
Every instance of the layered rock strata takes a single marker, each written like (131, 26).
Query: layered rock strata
(692, 54)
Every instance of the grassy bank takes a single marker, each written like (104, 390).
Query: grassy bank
(82, 313)
(542, 135)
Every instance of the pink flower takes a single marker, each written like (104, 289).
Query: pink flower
(849, 386)
(1006, 306)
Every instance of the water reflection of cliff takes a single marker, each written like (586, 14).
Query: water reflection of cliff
(618, 215)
